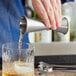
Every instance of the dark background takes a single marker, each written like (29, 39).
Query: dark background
(62, 1)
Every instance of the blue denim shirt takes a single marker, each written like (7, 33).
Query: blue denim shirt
(10, 13)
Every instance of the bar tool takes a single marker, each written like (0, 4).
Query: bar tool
(30, 25)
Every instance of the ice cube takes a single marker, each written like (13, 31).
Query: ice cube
(21, 67)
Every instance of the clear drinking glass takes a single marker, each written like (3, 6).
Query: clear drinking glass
(18, 62)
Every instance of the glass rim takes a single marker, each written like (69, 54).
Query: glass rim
(4, 46)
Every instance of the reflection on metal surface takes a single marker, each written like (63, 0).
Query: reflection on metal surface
(29, 25)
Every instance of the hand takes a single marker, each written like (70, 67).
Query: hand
(49, 12)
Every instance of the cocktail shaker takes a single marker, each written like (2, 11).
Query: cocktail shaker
(30, 25)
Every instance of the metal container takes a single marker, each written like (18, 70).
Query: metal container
(30, 25)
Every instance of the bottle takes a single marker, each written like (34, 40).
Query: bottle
(30, 25)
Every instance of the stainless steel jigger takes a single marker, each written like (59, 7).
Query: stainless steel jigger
(30, 25)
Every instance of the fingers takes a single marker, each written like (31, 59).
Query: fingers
(40, 10)
(56, 12)
(50, 13)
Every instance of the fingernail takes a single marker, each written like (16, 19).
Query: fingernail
(48, 25)
(54, 27)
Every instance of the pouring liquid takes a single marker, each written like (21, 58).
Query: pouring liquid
(20, 44)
